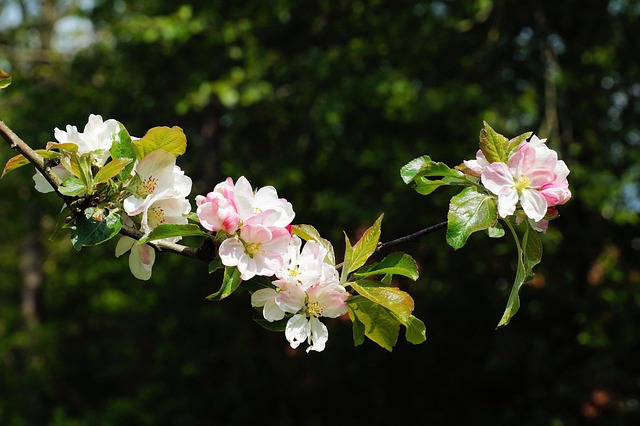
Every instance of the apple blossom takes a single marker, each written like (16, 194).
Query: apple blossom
(323, 300)
(230, 206)
(160, 178)
(96, 138)
(217, 210)
(257, 250)
(532, 176)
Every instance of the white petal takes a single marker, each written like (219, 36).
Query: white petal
(141, 261)
(297, 330)
(318, 335)
(534, 204)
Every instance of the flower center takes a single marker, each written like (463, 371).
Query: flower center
(253, 249)
(147, 186)
(315, 309)
(157, 214)
(522, 182)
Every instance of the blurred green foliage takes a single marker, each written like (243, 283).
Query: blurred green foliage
(326, 101)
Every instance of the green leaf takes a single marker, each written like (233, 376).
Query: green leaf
(380, 325)
(122, 147)
(169, 230)
(395, 300)
(111, 169)
(20, 160)
(308, 232)
(424, 166)
(172, 140)
(366, 246)
(277, 326)
(348, 258)
(94, 226)
(215, 264)
(529, 255)
(72, 187)
(469, 211)
(426, 186)
(394, 264)
(67, 146)
(416, 331)
(493, 145)
(514, 143)
(358, 330)
(230, 283)
(496, 231)
(5, 79)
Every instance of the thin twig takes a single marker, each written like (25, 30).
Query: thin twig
(411, 237)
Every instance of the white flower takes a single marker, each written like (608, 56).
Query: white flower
(160, 179)
(96, 139)
(299, 329)
(263, 206)
(305, 265)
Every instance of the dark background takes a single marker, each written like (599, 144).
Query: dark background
(326, 100)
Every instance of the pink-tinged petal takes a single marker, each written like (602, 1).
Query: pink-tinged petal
(534, 204)
(318, 335)
(230, 251)
(556, 195)
(497, 176)
(297, 330)
(141, 261)
(291, 297)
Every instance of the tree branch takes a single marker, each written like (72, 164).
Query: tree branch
(205, 253)
(39, 163)
(411, 237)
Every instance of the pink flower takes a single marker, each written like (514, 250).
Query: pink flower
(533, 176)
(256, 251)
(230, 206)
(217, 210)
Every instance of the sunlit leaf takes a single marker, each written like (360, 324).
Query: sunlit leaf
(72, 187)
(170, 139)
(111, 169)
(5, 79)
(380, 325)
(416, 332)
(366, 246)
(469, 211)
(394, 264)
(493, 145)
(20, 160)
(399, 302)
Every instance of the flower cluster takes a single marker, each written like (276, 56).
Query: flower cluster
(156, 189)
(256, 231)
(257, 225)
(532, 177)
